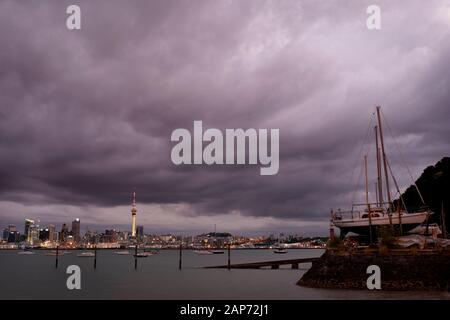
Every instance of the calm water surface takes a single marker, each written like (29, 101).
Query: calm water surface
(158, 277)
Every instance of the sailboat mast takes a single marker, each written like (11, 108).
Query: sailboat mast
(376, 194)
(367, 199)
(399, 205)
(444, 228)
(379, 178)
(384, 164)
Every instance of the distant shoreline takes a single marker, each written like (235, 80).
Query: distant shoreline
(158, 249)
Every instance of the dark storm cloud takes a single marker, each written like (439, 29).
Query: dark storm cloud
(86, 116)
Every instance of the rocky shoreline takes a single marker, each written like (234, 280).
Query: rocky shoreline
(400, 270)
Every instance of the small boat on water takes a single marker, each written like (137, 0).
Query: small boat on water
(53, 253)
(26, 252)
(141, 255)
(123, 253)
(217, 251)
(86, 254)
(151, 251)
(280, 250)
(203, 252)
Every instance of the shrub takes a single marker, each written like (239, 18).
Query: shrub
(387, 237)
(335, 243)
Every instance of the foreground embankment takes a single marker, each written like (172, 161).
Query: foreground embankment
(400, 270)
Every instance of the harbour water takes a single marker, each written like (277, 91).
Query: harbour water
(158, 277)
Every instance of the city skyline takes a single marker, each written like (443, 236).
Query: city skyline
(86, 115)
(21, 226)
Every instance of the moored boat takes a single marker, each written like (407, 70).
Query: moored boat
(26, 252)
(141, 255)
(86, 254)
(123, 253)
(203, 252)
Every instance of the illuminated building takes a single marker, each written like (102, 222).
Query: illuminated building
(33, 234)
(110, 236)
(51, 233)
(64, 233)
(28, 223)
(13, 237)
(140, 232)
(13, 234)
(133, 216)
(76, 230)
(44, 234)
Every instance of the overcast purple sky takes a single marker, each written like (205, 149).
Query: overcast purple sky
(86, 116)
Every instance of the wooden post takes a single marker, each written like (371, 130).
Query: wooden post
(57, 254)
(135, 257)
(181, 255)
(95, 257)
(229, 257)
(444, 228)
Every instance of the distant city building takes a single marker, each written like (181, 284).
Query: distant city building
(64, 233)
(13, 234)
(110, 236)
(44, 234)
(140, 232)
(133, 216)
(69, 239)
(52, 233)
(76, 230)
(33, 234)
(167, 238)
(14, 237)
(26, 231)
(5, 234)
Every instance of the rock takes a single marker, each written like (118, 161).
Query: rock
(403, 271)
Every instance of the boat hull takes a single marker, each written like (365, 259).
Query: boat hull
(361, 226)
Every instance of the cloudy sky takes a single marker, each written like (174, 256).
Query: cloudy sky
(86, 116)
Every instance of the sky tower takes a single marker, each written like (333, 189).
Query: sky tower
(133, 216)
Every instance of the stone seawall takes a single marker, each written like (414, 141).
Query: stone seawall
(407, 271)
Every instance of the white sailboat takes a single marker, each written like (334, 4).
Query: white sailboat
(365, 218)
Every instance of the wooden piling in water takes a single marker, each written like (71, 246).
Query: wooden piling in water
(181, 255)
(135, 257)
(57, 254)
(229, 257)
(95, 257)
